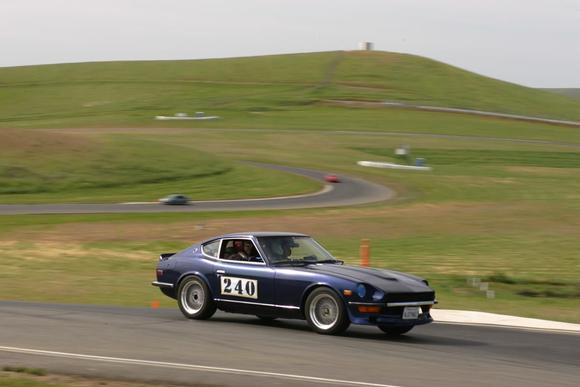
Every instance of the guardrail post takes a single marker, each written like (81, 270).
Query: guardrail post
(365, 252)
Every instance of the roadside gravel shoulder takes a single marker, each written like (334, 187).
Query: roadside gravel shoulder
(465, 317)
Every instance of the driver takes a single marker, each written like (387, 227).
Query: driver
(281, 249)
(286, 249)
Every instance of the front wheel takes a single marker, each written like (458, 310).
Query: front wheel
(195, 300)
(325, 312)
(394, 331)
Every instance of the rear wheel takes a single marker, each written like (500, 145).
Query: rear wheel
(394, 331)
(325, 312)
(194, 299)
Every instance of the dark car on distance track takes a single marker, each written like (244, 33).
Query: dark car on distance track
(287, 275)
(175, 199)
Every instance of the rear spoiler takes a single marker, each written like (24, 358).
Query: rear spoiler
(166, 256)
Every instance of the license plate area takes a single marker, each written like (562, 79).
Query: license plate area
(411, 312)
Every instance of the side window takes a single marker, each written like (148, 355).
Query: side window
(211, 248)
(239, 250)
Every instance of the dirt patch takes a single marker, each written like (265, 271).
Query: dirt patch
(46, 251)
(545, 171)
(35, 141)
(502, 180)
(386, 222)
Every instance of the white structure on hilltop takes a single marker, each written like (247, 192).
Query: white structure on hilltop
(365, 46)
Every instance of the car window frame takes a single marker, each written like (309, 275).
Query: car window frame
(263, 263)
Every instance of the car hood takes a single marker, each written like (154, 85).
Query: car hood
(387, 280)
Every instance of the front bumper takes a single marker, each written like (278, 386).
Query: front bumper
(390, 314)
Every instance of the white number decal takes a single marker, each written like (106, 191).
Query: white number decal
(239, 287)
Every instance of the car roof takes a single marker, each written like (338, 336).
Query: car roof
(257, 234)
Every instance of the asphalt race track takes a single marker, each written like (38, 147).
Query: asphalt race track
(350, 191)
(161, 345)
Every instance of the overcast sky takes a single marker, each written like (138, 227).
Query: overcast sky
(530, 42)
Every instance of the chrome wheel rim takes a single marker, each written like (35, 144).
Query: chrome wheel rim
(324, 311)
(192, 297)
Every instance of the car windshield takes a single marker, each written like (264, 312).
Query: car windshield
(294, 249)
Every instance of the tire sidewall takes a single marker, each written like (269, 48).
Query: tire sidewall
(342, 320)
(208, 308)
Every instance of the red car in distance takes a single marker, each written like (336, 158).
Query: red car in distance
(331, 179)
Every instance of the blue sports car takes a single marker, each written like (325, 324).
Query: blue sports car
(287, 275)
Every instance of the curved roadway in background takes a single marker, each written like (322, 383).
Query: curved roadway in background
(403, 105)
(350, 191)
(161, 345)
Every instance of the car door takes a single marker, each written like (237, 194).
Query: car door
(243, 282)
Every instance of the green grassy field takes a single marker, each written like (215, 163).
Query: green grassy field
(43, 168)
(569, 92)
(33, 377)
(503, 211)
(132, 93)
(20, 381)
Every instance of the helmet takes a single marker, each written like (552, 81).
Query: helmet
(277, 248)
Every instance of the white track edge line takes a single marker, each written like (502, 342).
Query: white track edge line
(325, 189)
(192, 367)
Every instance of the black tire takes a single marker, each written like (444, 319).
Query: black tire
(325, 312)
(266, 318)
(194, 299)
(394, 331)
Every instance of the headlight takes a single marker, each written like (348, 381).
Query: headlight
(361, 290)
(378, 295)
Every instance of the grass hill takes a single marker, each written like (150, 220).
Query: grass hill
(131, 93)
(568, 92)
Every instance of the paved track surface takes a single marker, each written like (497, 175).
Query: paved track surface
(350, 191)
(283, 352)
